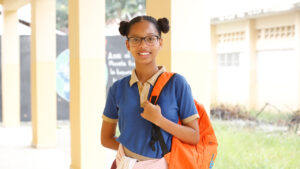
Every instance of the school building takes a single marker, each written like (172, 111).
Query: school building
(256, 58)
(242, 60)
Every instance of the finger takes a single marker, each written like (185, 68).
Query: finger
(146, 105)
(142, 114)
(146, 102)
(149, 102)
(118, 157)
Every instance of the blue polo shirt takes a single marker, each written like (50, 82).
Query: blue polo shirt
(123, 105)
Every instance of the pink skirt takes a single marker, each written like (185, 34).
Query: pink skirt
(147, 164)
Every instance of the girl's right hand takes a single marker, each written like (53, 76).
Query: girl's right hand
(152, 113)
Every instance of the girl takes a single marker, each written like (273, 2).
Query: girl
(127, 103)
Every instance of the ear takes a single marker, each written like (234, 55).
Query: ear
(161, 43)
(127, 45)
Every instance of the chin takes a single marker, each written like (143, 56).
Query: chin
(145, 62)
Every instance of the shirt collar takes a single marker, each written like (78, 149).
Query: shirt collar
(134, 79)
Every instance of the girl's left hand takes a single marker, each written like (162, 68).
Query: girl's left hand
(152, 113)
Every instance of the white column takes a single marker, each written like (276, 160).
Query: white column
(297, 49)
(43, 85)
(10, 69)
(251, 51)
(87, 80)
(214, 65)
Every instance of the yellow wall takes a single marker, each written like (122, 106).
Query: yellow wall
(191, 46)
(160, 9)
(188, 45)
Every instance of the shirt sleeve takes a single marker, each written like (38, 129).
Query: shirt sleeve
(110, 113)
(185, 100)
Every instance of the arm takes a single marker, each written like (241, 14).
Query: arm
(108, 138)
(188, 133)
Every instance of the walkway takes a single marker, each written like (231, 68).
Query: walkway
(16, 151)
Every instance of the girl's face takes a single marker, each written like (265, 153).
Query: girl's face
(144, 42)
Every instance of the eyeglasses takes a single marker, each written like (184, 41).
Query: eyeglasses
(149, 40)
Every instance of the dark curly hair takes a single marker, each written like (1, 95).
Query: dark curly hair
(162, 24)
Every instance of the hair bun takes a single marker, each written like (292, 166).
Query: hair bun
(163, 24)
(123, 28)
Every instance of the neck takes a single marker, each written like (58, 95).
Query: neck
(145, 72)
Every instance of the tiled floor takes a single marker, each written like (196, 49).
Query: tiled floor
(16, 151)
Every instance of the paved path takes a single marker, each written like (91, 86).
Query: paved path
(16, 151)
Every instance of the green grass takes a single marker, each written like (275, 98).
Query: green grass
(247, 148)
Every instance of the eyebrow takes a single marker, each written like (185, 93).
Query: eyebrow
(144, 36)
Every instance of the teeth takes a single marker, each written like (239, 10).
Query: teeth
(145, 53)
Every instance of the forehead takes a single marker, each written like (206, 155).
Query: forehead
(142, 28)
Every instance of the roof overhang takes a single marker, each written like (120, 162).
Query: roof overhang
(11, 5)
(256, 14)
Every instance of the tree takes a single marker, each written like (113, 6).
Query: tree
(123, 9)
(115, 10)
(62, 15)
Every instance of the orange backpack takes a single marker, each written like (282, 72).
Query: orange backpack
(183, 155)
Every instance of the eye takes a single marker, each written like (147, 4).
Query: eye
(135, 40)
(151, 38)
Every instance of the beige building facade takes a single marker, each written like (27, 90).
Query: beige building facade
(257, 60)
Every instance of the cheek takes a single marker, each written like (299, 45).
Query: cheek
(131, 50)
(156, 49)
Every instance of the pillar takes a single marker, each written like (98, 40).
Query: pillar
(251, 51)
(43, 85)
(187, 47)
(214, 65)
(160, 9)
(87, 80)
(297, 49)
(10, 69)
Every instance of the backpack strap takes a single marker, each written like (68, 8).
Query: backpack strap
(156, 134)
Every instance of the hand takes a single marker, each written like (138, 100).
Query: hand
(152, 113)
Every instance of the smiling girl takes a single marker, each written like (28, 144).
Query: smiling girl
(127, 103)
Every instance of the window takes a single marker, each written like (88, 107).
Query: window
(287, 31)
(231, 37)
(229, 59)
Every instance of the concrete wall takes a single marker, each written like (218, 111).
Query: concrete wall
(277, 62)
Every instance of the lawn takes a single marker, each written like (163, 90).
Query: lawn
(249, 148)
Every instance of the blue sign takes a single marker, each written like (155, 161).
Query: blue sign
(63, 75)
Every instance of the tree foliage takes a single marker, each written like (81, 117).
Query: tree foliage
(62, 15)
(116, 10)
(123, 9)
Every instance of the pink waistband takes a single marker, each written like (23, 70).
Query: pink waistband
(147, 164)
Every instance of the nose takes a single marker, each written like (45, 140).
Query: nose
(143, 43)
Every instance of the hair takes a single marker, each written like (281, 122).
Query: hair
(161, 25)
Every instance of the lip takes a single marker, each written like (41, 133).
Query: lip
(144, 54)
